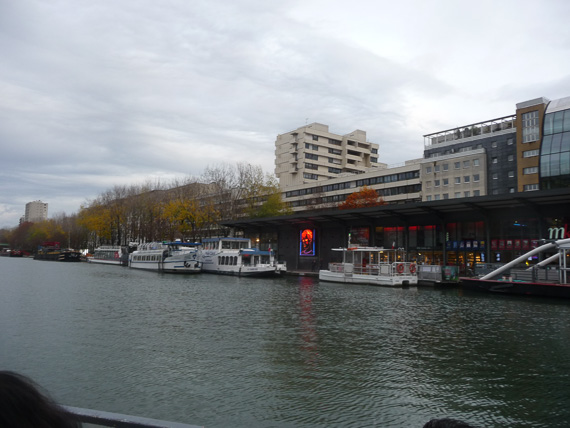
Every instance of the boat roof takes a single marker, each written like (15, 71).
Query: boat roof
(254, 252)
(225, 239)
(366, 249)
(183, 244)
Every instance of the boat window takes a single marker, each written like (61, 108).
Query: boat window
(226, 245)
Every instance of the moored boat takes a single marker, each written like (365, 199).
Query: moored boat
(371, 265)
(172, 257)
(52, 251)
(538, 280)
(235, 256)
(110, 254)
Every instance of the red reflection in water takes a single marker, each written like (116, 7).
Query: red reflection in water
(308, 321)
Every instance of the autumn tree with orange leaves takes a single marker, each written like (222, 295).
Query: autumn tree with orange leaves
(365, 197)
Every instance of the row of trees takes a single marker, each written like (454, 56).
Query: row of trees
(188, 209)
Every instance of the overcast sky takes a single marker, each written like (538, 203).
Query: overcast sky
(110, 92)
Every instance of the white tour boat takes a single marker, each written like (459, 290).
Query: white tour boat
(234, 256)
(173, 257)
(110, 255)
(371, 265)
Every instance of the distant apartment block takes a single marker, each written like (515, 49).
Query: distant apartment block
(36, 211)
(312, 153)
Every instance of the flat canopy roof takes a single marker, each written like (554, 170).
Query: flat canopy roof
(434, 210)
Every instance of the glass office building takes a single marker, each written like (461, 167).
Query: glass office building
(555, 147)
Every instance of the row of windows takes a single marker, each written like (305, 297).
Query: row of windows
(530, 170)
(147, 258)
(351, 184)
(530, 129)
(495, 175)
(311, 166)
(494, 144)
(310, 176)
(388, 178)
(530, 153)
(456, 165)
(510, 158)
(392, 191)
(530, 187)
(465, 194)
(227, 260)
(331, 141)
(457, 180)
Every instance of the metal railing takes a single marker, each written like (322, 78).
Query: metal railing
(97, 418)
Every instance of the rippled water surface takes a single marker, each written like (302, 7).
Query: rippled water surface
(288, 352)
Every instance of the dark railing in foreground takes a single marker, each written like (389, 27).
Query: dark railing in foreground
(118, 420)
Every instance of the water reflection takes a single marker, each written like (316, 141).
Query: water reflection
(308, 321)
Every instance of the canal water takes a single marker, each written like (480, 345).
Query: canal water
(288, 352)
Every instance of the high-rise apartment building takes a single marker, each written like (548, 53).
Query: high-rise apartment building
(312, 153)
(36, 211)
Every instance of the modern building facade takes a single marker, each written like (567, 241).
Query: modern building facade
(473, 160)
(555, 146)
(530, 117)
(395, 184)
(36, 211)
(312, 153)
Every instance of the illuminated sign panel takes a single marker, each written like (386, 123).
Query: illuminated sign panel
(307, 242)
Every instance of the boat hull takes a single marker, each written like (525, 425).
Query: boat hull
(522, 288)
(258, 271)
(381, 280)
(177, 265)
(60, 256)
(106, 261)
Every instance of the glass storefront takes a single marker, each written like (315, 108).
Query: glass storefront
(465, 244)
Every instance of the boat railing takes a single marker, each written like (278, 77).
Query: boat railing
(99, 418)
(432, 273)
(380, 269)
(550, 274)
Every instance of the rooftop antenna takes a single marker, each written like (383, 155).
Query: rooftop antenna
(306, 121)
